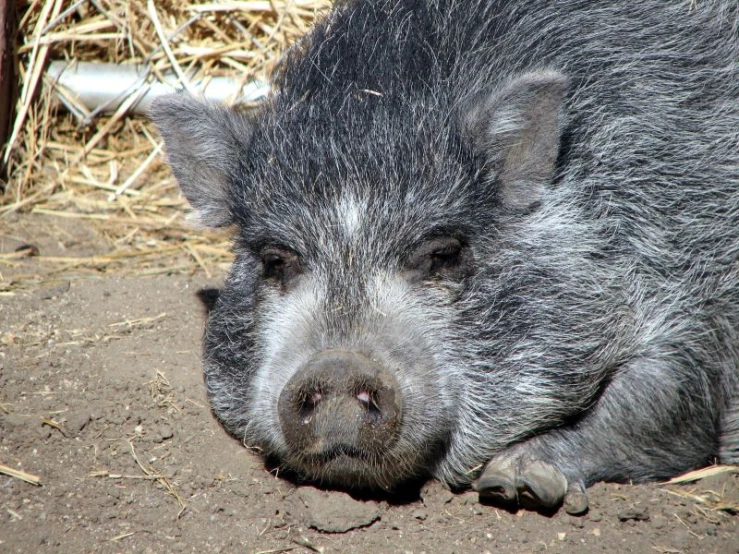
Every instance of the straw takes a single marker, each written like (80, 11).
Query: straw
(108, 171)
(22, 475)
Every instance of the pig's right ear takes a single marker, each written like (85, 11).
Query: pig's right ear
(203, 144)
(517, 130)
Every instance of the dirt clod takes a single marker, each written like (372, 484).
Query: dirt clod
(635, 514)
(335, 512)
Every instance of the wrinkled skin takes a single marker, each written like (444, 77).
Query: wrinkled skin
(494, 242)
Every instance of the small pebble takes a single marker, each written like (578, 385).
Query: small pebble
(165, 432)
(634, 514)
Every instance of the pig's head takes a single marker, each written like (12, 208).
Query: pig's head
(365, 209)
(341, 339)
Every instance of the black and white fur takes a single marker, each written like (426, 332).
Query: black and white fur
(585, 156)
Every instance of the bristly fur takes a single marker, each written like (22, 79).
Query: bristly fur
(600, 325)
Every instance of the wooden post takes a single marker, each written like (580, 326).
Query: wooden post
(8, 86)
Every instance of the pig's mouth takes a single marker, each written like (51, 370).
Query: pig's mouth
(348, 467)
(338, 451)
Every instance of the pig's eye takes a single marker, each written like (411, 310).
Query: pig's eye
(444, 257)
(280, 265)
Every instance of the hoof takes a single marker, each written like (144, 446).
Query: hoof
(576, 500)
(536, 485)
(498, 482)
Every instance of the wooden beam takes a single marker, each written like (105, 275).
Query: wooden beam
(8, 84)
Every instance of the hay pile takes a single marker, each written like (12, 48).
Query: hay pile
(108, 169)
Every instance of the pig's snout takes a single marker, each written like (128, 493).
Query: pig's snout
(340, 403)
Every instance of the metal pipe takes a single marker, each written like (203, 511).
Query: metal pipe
(88, 88)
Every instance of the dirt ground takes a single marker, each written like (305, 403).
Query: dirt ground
(101, 397)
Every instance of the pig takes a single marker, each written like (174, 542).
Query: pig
(492, 242)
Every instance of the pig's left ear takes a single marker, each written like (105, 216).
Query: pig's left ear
(203, 145)
(517, 129)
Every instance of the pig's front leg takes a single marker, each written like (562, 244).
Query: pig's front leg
(652, 420)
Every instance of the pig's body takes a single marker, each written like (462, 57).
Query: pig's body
(470, 233)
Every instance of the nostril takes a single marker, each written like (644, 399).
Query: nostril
(315, 398)
(308, 400)
(368, 400)
(364, 397)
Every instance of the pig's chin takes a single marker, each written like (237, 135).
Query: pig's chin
(346, 467)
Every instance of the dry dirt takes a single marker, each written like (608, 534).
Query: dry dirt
(101, 397)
